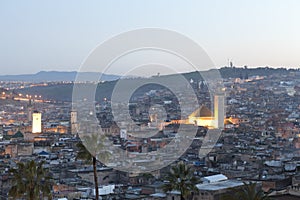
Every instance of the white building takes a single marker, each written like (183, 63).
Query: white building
(36, 122)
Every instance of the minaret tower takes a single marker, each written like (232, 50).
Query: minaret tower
(73, 122)
(29, 111)
(219, 110)
(36, 122)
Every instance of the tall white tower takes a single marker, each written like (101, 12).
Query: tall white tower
(36, 122)
(219, 110)
(73, 122)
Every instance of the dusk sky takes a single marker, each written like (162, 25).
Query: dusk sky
(59, 35)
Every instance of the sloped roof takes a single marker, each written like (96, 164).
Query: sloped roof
(227, 122)
(43, 153)
(18, 135)
(203, 111)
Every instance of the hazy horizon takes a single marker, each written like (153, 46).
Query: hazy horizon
(70, 71)
(59, 35)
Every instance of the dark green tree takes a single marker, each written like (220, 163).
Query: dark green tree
(95, 148)
(30, 181)
(181, 178)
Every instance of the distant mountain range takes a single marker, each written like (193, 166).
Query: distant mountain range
(57, 76)
(226, 72)
(63, 91)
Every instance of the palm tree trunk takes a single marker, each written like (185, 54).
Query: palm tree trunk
(95, 177)
(181, 194)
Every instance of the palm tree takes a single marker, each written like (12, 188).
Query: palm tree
(31, 181)
(247, 192)
(95, 148)
(181, 178)
(84, 154)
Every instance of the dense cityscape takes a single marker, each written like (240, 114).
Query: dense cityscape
(259, 143)
(149, 100)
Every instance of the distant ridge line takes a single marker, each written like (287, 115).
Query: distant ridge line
(226, 72)
(57, 76)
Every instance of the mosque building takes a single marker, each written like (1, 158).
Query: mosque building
(203, 116)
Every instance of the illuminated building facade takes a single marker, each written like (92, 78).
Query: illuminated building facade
(204, 117)
(36, 122)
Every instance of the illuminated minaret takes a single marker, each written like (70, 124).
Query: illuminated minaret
(219, 110)
(36, 122)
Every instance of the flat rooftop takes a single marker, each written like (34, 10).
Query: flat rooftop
(220, 185)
